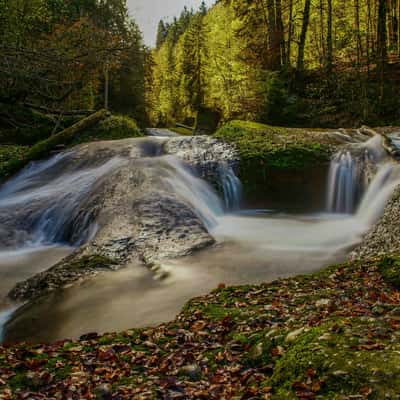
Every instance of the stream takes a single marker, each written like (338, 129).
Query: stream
(53, 207)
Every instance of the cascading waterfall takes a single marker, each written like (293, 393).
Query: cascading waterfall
(231, 186)
(344, 183)
(42, 204)
(350, 175)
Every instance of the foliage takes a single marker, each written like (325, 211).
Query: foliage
(288, 62)
(390, 270)
(59, 55)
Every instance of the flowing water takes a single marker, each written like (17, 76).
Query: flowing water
(40, 207)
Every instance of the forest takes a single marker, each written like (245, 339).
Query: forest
(320, 63)
(58, 58)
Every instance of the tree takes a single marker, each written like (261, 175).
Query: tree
(303, 35)
(161, 34)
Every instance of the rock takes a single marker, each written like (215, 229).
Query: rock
(103, 392)
(384, 238)
(256, 351)
(140, 215)
(292, 336)
(193, 371)
(323, 303)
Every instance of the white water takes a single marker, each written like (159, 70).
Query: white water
(348, 174)
(253, 246)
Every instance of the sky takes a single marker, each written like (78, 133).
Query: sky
(148, 13)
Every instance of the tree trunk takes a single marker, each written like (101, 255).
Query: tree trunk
(381, 44)
(382, 35)
(322, 33)
(303, 35)
(358, 33)
(329, 40)
(274, 45)
(290, 35)
(280, 31)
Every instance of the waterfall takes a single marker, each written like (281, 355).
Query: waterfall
(350, 173)
(231, 187)
(344, 183)
(43, 204)
(195, 192)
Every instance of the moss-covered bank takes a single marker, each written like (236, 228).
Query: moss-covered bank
(106, 127)
(265, 148)
(329, 335)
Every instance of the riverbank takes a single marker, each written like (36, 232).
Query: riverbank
(329, 335)
(101, 126)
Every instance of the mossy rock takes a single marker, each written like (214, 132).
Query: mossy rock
(330, 361)
(264, 148)
(112, 128)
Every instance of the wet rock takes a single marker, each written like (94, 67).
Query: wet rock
(139, 213)
(384, 238)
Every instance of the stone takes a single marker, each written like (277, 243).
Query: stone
(103, 392)
(193, 371)
(292, 336)
(323, 303)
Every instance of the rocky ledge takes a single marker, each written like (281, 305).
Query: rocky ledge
(285, 340)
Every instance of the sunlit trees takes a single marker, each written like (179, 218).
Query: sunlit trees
(317, 55)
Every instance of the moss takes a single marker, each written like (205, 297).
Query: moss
(92, 262)
(112, 128)
(389, 268)
(335, 363)
(264, 148)
(13, 158)
(182, 131)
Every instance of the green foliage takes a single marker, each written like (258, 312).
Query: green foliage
(55, 54)
(250, 52)
(280, 106)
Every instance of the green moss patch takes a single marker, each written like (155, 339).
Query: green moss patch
(182, 131)
(264, 148)
(112, 128)
(13, 158)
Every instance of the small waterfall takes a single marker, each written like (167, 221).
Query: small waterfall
(43, 204)
(194, 191)
(231, 186)
(382, 186)
(344, 184)
(350, 173)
